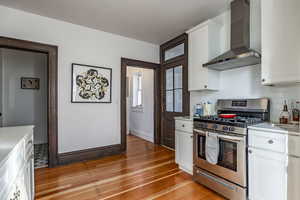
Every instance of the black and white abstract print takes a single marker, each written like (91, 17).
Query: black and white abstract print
(91, 84)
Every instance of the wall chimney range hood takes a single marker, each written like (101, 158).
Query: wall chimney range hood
(240, 54)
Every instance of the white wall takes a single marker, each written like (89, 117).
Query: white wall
(141, 122)
(24, 106)
(80, 126)
(246, 82)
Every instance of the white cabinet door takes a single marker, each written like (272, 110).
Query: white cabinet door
(29, 178)
(294, 178)
(280, 41)
(18, 190)
(267, 175)
(184, 151)
(203, 45)
(198, 55)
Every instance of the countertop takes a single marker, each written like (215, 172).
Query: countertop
(10, 137)
(184, 118)
(290, 129)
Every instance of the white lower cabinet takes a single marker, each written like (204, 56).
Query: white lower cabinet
(19, 190)
(294, 178)
(17, 171)
(184, 145)
(267, 175)
(185, 151)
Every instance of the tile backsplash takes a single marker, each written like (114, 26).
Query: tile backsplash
(246, 83)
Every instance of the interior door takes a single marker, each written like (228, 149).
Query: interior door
(174, 100)
(174, 87)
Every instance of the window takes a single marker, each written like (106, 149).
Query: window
(137, 90)
(174, 52)
(173, 90)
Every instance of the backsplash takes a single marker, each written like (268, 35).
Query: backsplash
(246, 83)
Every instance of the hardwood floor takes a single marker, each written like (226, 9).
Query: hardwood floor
(146, 171)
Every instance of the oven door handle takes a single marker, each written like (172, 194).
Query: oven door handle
(222, 136)
(200, 132)
(231, 138)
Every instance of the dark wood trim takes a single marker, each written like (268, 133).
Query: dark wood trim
(52, 52)
(125, 62)
(183, 38)
(180, 60)
(88, 154)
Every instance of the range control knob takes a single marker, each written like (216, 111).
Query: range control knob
(231, 129)
(225, 128)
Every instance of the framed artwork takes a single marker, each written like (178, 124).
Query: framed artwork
(91, 84)
(30, 83)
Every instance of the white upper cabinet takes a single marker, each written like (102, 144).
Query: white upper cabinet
(280, 41)
(204, 45)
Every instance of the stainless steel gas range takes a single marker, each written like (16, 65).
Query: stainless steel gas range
(229, 176)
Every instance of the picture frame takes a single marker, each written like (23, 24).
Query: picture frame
(30, 83)
(91, 84)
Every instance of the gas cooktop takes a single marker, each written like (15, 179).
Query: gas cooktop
(236, 121)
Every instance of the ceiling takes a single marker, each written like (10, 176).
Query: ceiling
(154, 21)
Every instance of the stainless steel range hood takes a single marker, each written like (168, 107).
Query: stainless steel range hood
(240, 54)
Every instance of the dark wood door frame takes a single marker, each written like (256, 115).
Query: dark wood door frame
(126, 62)
(51, 52)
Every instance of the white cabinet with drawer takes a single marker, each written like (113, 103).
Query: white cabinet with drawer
(268, 165)
(184, 144)
(16, 163)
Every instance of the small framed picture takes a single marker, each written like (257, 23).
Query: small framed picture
(30, 83)
(91, 84)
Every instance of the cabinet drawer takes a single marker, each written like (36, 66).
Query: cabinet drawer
(183, 125)
(267, 140)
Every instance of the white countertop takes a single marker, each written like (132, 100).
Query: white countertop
(184, 118)
(279, 128)
(10, 137)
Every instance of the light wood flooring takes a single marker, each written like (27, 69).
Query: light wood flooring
(145, 172)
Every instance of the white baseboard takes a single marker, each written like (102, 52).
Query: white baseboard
(143, 135)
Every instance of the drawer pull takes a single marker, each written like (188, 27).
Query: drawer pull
(192, 136)
(183, 126)
(250, 151)
(270, 141)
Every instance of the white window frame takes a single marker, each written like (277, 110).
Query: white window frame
(137, 90)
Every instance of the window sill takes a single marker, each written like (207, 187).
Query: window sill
(137, 109)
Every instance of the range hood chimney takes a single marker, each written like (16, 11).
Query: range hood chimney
(240, 54)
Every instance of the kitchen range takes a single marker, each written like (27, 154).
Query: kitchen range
(220, 145)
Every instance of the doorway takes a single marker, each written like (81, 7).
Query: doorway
(132, 73)
(24, 96)
(49, 54)
(140, 102)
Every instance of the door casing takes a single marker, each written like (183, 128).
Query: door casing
(51, 51)
(126, 62)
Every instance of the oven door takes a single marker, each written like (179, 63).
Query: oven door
(232, 157)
